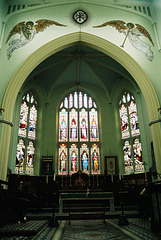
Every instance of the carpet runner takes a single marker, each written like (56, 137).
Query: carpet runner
(92, 230)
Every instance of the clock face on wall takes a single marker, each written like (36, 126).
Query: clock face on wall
(80, 16)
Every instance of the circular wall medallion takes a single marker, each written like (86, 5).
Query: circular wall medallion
(80, 16)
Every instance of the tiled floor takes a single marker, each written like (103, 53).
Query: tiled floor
(139, 227)
(84, 230)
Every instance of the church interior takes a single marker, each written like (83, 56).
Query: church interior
(80, 119)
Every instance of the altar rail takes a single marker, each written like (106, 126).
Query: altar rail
(42, 186)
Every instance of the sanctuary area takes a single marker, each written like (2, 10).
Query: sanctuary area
(80, 116)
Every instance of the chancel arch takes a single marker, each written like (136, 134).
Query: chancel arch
(96, 43)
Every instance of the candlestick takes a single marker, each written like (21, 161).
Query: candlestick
(93, 179)
(46, 179)
(119, 176)
(62, 179)
(111, 177)
(97, 180)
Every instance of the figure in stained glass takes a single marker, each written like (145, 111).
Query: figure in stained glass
(133, 119)
(73, 162)
(73, 126)
(73, 158)
(83, 125)
(63, 116)
(124, 122)
(32, 122)
(128, 157)
(62, 159)
(95, 159)
(23, 119)
(84, 162)
(139, 166)
(93, 125)
(84, 156)
(83, 129)
(30, 158)
(20, 156)
(63, 162)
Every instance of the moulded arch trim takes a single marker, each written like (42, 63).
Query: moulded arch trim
(56, 45)
(92, 41)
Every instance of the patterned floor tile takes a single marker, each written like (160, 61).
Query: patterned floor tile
(92, 230)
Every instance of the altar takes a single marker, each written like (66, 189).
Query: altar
(87, 196)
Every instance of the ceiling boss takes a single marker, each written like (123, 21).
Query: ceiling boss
(80, 16)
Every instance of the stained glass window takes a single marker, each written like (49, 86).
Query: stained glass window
(95, 159)
(130, 129)
(26, 132)
(78, 132)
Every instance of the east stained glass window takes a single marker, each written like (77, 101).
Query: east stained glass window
(78, 133)
(26, 135)
(132, 148)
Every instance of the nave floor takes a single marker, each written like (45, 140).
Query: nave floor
(138, 229)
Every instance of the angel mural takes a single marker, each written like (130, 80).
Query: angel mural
(27, 31)
(132, 32)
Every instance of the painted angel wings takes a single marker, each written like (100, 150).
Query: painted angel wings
(27, 31)
(40, 26)
(132, 32)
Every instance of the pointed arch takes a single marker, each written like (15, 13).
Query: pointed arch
(63, 42)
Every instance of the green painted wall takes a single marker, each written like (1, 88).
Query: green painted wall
(2, 13)
(157, 11)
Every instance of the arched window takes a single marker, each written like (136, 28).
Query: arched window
(26, 135)
(78, 135)
(130, 134)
